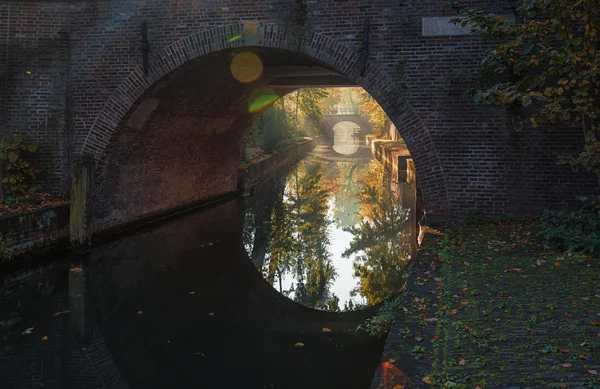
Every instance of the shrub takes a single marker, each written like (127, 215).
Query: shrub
(577, 231)
(17, 173)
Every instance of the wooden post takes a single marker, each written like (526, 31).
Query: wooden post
(409, 200)
(82, 184)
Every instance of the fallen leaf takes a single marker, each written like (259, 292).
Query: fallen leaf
(582, 356)
(299, 344)
(211, 314)
(325, 329)
(462, 362)
(209, 244)
(44, 338)
(28, 331)
(431, 320)
(77, 270)
(564, 351)
(515, 269)
(192, 293)
(398, 387)
(562, 386)
(61, 313)
(140, 312)
(592, 372)
(567, 365)
(443, 307)
(453, 312)
(426, 379)
(418, 339)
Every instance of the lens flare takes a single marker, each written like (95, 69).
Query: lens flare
(246, 67)
(261, 99)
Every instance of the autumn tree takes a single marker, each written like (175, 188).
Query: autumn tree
(377, 115)
(380, 241)
(307, 105)
(545, 68)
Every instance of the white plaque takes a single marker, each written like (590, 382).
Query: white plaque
(443, 26)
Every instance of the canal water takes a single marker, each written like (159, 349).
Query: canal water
(265, 291)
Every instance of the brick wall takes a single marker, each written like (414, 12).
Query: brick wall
(465, 155)
(34, 44)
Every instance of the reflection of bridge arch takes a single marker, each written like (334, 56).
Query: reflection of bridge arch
(346, 137)
(331, 120)
(176, 343)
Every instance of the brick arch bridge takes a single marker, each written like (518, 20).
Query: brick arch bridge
(73, 79)
(285, 51)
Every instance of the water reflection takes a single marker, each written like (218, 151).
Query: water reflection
(346, 137)
(180, 304)
(331, 235)
(177, 305)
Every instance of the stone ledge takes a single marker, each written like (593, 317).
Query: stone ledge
(37, 229)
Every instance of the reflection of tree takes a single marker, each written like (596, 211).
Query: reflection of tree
(379, 245)
(287, 233)
(294, 217)
(307, 199)
(346, 205)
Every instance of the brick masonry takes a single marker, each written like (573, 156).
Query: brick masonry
(86, 84)
(39, 228)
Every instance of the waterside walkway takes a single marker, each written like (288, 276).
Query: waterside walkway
(488, 307)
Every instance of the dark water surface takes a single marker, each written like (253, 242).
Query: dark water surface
(181, 304)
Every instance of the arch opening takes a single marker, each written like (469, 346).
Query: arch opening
(181, 141)
(221, 110)
(346, 138)
(334, 229)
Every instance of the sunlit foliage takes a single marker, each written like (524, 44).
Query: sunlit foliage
(381, 239)
(546, 67)
(377, 115)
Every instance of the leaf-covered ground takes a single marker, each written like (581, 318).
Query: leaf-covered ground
(30, 203)
(489, 307)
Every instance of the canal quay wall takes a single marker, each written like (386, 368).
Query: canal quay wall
(254, 172)
(41, 230)
(394, 156)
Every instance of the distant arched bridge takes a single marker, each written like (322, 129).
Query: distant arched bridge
(345, 131)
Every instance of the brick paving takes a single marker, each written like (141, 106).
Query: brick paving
(495, 310)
